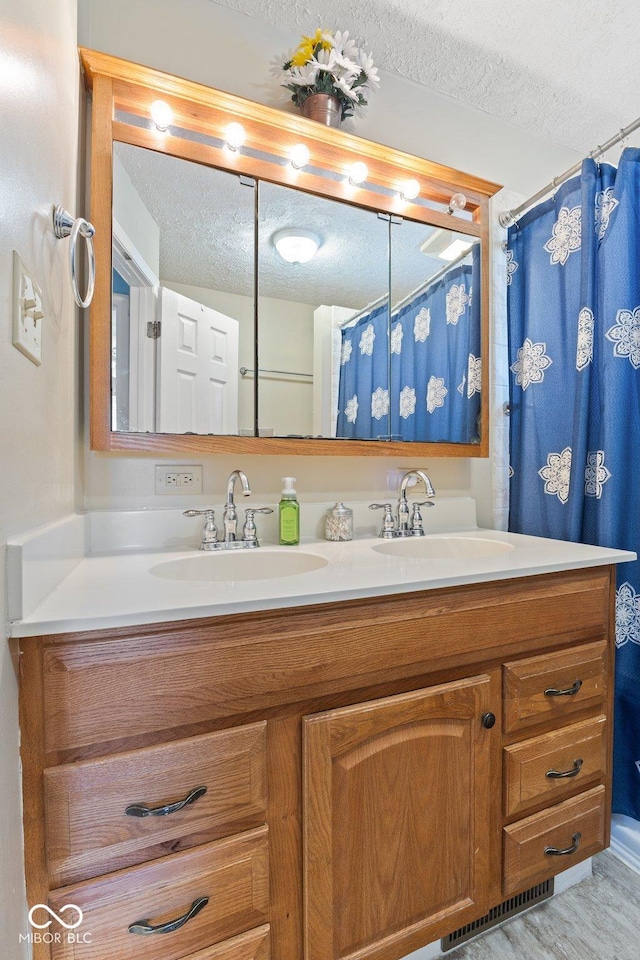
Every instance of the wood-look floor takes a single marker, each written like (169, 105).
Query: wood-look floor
(599, 919)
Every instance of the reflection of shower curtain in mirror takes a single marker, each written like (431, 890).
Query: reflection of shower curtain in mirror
(435, 365)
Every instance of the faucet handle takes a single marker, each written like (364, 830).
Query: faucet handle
(388, 529)
(417, 530)
(210, 532)
(249, 532)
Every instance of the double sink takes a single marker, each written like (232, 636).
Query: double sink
(269, 563)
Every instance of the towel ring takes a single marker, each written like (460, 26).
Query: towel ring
(65, 226)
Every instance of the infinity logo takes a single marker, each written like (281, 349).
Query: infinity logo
(47, 923)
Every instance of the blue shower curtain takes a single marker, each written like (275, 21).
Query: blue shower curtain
(434, 376)
(573, 267)
(363, 393)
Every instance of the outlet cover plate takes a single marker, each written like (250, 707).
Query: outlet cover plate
(27, 312)
(178, 479)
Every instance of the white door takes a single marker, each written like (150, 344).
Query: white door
(197, 368)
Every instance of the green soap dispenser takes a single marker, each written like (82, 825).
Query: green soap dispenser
(289, 514)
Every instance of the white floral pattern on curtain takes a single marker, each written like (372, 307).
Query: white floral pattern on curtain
(433, 345)
(574, 349)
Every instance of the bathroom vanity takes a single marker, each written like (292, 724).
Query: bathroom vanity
(379, 770)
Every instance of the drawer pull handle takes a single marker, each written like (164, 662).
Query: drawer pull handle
(142, 810)
(144, 927)
(558, 852)
(563, 774)
(569, 692)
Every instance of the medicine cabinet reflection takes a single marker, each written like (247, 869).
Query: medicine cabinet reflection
(219, 330)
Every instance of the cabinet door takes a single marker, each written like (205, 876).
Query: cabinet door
(397, 821)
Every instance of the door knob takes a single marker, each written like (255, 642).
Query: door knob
(488, 720)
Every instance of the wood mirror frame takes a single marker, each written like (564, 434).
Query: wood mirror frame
(121, 86)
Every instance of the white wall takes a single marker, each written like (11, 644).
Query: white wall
(134, 218)
(39, 84)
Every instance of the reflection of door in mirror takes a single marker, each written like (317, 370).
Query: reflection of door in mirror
(321, 264)
(197, 368)
(185, 233)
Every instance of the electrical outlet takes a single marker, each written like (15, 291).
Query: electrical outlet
(395, 475)
(28, 312)
(178, 478)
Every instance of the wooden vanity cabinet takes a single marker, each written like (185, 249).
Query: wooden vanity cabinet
(375, 770)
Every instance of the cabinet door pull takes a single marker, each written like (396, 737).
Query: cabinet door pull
(562, 774)
(488, 720)
(558, 852)
(142, 810)
(144, 927)
(569, 692)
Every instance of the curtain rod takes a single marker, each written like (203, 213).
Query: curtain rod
(427, 283)
(409, 296)
(508, 217)
(363, 312)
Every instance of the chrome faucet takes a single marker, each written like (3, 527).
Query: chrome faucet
(413, 528)
(404, 524)
(230, 515)
(230, 520)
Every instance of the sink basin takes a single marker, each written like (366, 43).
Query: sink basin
(443, 548)
(223, 566)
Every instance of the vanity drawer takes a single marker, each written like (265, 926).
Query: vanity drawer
(553, 686)
(88, 829)
(233, 874)
(253, 945)
(527, 842)
(579, 752)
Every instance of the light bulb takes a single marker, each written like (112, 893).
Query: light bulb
(358, 173)
(161, 114)
(299, 155)
(409, 190)
(458, 202)
(235, 136)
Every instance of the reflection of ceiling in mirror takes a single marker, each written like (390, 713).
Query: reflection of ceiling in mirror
(205, 220)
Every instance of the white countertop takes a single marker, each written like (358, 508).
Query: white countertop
(118, 589)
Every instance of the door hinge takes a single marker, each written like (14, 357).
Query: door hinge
(154, 329)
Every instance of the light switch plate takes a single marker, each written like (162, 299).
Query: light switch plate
(28, 312)
(178, 479)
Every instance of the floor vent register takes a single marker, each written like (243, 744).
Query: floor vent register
(509, 908)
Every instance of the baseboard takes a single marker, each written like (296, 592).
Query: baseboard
(625, 840)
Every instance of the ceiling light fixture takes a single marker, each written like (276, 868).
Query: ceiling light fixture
(358, 173)
(409, 190)
(299, 155)
(296, 246)
(235, 136)
(455, 250)
(161, 114)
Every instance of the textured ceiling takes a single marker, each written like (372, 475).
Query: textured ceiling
(205, 218)
(567, 72)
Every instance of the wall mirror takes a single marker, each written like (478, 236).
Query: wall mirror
(248, 303)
